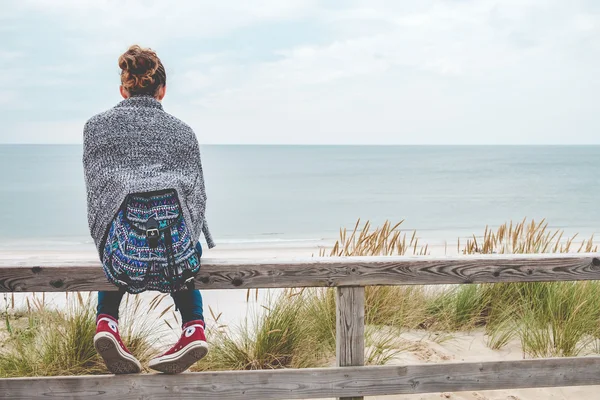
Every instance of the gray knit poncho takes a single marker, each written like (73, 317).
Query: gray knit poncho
(137, 147)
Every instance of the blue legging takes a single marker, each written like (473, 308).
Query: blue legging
(188, 302)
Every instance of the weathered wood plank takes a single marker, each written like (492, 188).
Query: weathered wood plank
(314, 383)
(350, 328)
(34, 274)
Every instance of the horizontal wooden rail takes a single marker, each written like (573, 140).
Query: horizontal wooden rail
(314, 383)
(34, 274)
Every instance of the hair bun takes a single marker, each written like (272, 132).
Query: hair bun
(141, 71)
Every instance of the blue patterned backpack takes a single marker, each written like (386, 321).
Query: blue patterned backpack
(149, 247)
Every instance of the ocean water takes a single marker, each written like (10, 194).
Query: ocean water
(262, 195)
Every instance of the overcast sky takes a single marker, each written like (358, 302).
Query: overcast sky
(303, 71)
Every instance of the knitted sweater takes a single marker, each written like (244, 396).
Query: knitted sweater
(137, 147)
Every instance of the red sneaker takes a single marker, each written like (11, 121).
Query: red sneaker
(190, 348)
(108, 344)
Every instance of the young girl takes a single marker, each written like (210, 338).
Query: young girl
(134, 148)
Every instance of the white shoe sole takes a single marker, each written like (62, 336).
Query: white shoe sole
(117, 361)
(180, 361)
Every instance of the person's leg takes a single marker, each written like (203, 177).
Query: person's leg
(192, 345)
(107, 340)
(189, 304)
(108, 303)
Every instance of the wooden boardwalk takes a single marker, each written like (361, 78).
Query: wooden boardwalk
(349, 380)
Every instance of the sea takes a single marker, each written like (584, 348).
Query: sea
(269, 197)
(293, 195)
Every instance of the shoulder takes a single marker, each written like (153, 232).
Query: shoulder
(176, 122)
(177, 129)
(93, 128)
(100, 120)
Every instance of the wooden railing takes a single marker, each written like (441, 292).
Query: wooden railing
(349, 380)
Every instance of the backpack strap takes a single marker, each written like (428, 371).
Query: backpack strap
(169, 248)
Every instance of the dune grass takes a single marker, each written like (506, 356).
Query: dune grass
(296, 328)
(526, 237)
(281, 333)
(386, 240)
(549, 319)
(41, 341)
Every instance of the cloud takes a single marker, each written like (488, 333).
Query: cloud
(8, 98)
(435, 71)
(158, 20)
(435, 76)
(10, 56)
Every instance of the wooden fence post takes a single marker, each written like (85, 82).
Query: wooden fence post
(350, 328)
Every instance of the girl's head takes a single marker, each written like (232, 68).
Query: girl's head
(142, 73)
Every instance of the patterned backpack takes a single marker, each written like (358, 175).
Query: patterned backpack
(149, 247)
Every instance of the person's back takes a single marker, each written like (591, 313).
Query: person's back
(136, 148)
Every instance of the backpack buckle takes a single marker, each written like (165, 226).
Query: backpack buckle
(152, 232)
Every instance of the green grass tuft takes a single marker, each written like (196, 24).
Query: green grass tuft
(47, 342)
